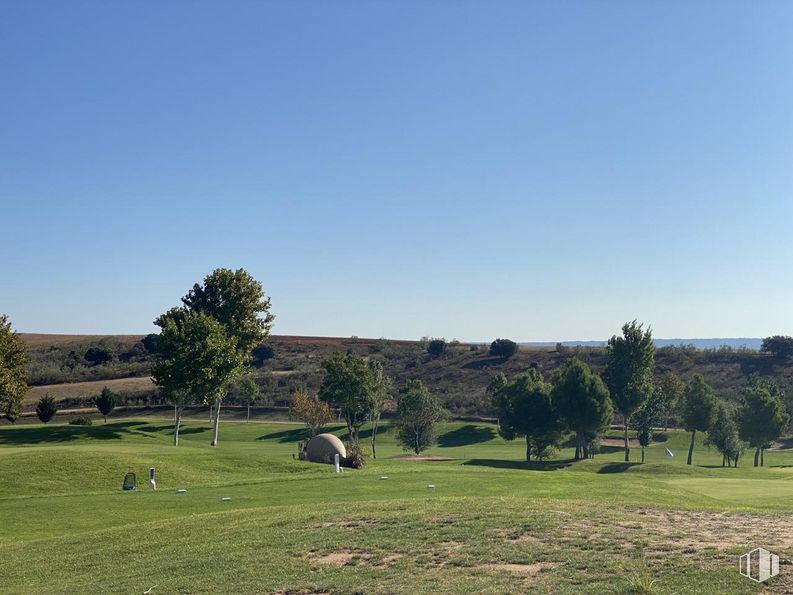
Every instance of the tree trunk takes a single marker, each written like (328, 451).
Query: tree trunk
(105, 418)
(723, 458)
(762, 451)
(625, 419)
(374, 436)
(642, 453)
(215, 427)
(248, 419)
(691, 447)
(756, 455)
(177, 422)
(528, 449)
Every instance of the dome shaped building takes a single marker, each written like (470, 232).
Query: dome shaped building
(322, 448)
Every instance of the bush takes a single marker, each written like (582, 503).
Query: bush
(98, 355)
(355, 456)
(779, 346)
(436, 347)
(46, 408)
(503, 348)
(81, 421)
(262, 353)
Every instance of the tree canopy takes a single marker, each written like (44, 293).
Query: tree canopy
(779, 346)
(13, 378)
(418, 411)
(699, 409)
(504, 348)
(196, 360)
(582, 401)
(524, 409)
(348, 386)
(629, 371)
(106, 402)
(46, 408)
(761, 416)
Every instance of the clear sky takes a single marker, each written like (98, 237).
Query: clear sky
(532, 170)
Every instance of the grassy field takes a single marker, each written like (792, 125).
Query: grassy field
(85, 390)
(491, 524)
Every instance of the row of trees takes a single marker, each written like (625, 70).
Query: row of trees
(105, 402)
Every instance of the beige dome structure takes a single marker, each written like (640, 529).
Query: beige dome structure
(322, 448)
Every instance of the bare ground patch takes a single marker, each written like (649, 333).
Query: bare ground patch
(521, 569)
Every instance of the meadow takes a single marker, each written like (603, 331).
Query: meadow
(491, 524)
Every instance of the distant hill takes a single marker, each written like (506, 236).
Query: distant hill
(459, 376)
(734, 343)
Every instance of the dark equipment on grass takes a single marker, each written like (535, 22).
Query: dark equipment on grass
(129, 482)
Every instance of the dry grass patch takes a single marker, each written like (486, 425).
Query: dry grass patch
(521, 569)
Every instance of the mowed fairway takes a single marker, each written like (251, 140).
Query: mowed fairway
(491, 524)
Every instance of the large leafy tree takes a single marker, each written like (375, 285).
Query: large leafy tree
(13, 378)
(761, 416)
(348, 387)
(724, 435)
(418, 412)
(629, 371)
(379, 395)
(670, 389)
(196, 359)
(699, 409)
(583, 403)
(237, 302)
(524, 408)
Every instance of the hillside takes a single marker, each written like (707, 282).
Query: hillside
(459, 377)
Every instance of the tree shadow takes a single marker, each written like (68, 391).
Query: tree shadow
(616, 467)
(524, 465)
(291, 435)
(26, 435)
(183, 431)
(466, 435)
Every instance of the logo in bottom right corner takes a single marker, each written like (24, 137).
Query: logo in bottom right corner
(759, 565)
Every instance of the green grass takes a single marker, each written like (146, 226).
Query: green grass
(492, 524)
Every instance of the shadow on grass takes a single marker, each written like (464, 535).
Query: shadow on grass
(532, 466)
(183, 431)
(465, 435)
(46, 434)
(616, 467)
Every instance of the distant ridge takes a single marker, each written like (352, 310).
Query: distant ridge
(737, 343)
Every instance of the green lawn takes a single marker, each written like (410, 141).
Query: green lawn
(491, 524)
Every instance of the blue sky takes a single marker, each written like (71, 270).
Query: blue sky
(533, 170)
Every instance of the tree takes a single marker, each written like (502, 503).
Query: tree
(248, 391)
(779, 346)
(524, 409)
(436, 347)
(347, 386)
(646, 417)
(699, 409)
(261, 353)
(724, 435)
(503, 348)
(761, 416)
(629, 371)
(106, 402)
(46, 408)
(237, 302)
(583, 403)
(379, 395)
(13, 378)
(309, 409)
(72, 362)
(418, 412)
(98, 355)
(670, 390)
(150, 342)
(196, 360)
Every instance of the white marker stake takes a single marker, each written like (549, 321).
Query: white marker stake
(336, 461)
(152, 483)
(669, 453)
(225, 499)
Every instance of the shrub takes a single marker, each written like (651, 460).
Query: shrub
(46, 408)
(98, 355)
(436, 347)
(779, 346)
(262, 353)
(106, 402)
(503, 348)
(81, 421)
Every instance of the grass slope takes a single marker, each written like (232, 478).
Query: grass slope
(492, 524)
